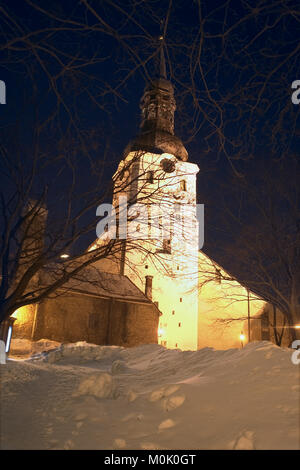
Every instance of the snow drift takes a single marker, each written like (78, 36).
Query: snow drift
(83, 396)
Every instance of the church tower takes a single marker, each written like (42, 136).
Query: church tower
(160, 253)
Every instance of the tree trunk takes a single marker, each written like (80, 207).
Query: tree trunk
(5, 311)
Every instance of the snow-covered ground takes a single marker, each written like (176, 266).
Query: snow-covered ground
(82, 396)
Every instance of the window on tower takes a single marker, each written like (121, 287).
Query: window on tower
(167, 246)
(182, 185)
(177, 211)
(134, 216)
(168, 165)
(150, 177)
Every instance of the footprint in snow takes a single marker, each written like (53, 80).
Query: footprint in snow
(69, 444)
(244, 442)
(166, 424)
(120, 443)
(135, 415)
(173, 402)
(150, 446)
(80, 417)
(163, 392)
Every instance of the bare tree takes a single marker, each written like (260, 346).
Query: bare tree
(232, 65)
(278, 330)
(263, 227)
(48, 195)
(44, 227)
(253, 46)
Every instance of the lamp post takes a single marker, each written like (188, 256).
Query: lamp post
(6, 332)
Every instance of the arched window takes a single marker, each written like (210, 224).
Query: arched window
(182, 185)
(150, 177)
(167, 246)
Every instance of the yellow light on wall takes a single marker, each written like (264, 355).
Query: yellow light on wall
(160, 332)
(242, 338)
(298, 327)
(65, 255)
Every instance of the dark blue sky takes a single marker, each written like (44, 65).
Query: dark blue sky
(104, 96)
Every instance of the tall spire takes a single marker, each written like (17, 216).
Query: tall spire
(158, 107)
(158, 103)
(162, 61)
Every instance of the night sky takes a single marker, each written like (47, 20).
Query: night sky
(234, 113)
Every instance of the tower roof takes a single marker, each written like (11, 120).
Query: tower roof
(157, 124)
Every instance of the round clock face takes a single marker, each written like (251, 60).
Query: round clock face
(167, 165)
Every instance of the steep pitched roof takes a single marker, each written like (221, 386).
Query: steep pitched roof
(91, 281)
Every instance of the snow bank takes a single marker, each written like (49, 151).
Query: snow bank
(24, 347)
(82, 396)
(80, 352)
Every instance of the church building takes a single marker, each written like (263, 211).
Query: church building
(158, 182)
(160, 287)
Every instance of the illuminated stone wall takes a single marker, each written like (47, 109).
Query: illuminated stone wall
(223, 307)
(201, 305)
(175, 274)
(77, 317)
(23, 326)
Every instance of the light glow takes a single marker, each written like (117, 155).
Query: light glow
(8, 339)
(242, 337)
(160, 332)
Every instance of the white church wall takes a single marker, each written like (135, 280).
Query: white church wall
(175, 274)
(223, 307)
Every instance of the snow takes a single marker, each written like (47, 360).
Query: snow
(83, 396)
(100, 385)
(24, 347)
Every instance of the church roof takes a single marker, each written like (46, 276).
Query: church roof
(91, 281)
(158, 141)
